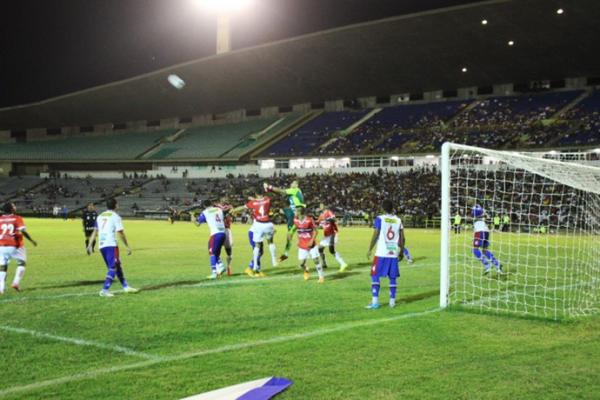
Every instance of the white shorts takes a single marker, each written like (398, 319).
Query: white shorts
(6, 254)
(326, 242)
(261, 231)
(228, 238)
(304, 254)
(20, 254)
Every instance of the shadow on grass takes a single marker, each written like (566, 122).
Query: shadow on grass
(68, 285)
(467, 309)
(418, 297)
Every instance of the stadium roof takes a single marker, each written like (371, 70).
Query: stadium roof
(410, 53)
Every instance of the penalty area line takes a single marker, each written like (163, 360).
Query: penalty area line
(222, 349)
(79, 342)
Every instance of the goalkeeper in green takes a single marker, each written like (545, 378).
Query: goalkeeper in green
(295, 199)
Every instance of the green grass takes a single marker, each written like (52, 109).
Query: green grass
(198, 335)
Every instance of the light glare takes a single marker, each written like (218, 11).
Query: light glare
(484, 22)
(511, 42)
(223, 6)
(464, 69)
(560, 11)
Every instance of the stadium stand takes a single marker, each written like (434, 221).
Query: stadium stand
(124, 146)
(393, 121)
(585, 118)
(211, 141)
(305, 139)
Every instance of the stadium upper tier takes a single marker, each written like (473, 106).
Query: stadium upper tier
(212, 141)
(125, 146)
(313, 134)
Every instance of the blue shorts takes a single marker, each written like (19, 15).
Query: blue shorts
(385, 267)
(110, 256)
(215, 244)
(481, 239)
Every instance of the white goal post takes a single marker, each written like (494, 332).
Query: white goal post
(542, 257)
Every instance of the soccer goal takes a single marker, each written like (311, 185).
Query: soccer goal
(543, 217)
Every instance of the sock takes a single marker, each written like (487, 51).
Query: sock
(273, 250)
(2, 278)
(375, 289)
(87, 242)
(393, 287)
(407, 254)
(256, 258)
(19, 275)
(493, 259)
(477, 254)
(110, 276)
(339, 258)
(93, 244)
(320, 270)
(213, 263)
(229, 259)
(121, 276)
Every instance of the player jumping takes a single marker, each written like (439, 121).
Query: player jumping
(213, 216)
(262, 228)
(307, 246)
(12, 231)
(330, 235)
(481, 241)
(296, 199)
(107, 225)
(389, 238)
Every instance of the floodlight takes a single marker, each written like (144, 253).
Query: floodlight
(484, 22)
(560, 11)
(223, 6)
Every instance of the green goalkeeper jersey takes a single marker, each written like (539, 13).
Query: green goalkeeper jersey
(295, 197)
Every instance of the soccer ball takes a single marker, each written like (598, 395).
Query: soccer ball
(176, 81)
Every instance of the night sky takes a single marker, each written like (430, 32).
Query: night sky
(53, 47)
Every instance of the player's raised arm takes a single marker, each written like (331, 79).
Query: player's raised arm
(271, 188)
(200, 219)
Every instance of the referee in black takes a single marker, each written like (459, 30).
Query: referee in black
(89, 223)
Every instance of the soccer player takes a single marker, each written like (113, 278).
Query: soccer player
(228, 245)
(388, 235)
(307, 246)
(457, 222)
(262, 228)
(88, 218)
(295, 198)
(328, 223)
(213, 216)
(481, 241)
(108, 224)
(12, 231)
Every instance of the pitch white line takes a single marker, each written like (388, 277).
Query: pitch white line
(184, 356)
(79, 342)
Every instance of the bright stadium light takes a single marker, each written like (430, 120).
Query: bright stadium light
(464, 69)
(223, 6)
(484, 22)
(224, 9)
(511, 42)
(560, 11)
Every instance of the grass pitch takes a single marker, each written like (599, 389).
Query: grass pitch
(183, 334)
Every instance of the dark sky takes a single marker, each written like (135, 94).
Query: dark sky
(53, 47)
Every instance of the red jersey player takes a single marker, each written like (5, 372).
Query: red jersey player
(228, 245)
(12, 231)
(327, 222)
(262, 228)
(306, 228)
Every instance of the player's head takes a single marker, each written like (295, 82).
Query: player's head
(90, 207)
(206, 203)
(294, 185)
(9, 208)
(387, 206)
(111, 204)
(477, 211)
(300, 210)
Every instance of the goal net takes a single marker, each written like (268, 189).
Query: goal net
(541, 256)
